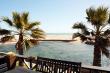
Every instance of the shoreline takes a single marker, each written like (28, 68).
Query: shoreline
(8, 43)
(53, 37)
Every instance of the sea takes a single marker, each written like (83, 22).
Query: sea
(70, 51)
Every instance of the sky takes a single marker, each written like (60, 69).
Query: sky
(56, 16)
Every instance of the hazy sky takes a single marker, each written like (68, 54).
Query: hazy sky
(56, 16)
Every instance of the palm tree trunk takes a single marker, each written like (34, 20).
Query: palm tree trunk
(97, 54)
(19, 48)
(97, 57)
(19, 44)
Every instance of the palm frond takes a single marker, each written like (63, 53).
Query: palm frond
(86, 32)
(82, 27)
(30, 43)
(34, 41)
(109, 19)
(32, 25)
(79, 26)
(75, 35)
(7, 20)
(24, 17)
(107, 32)
(4, 32)
(90, 14)
(105, 52)
(102, 15)
(27, 44)
(6, 38)
(17, 20)
(83, 38)
(37, 33)
(103, 42)
(97, 16)
(92, 33)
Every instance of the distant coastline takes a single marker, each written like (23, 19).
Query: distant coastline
(59, 33)
(57, 36)
(49, 36)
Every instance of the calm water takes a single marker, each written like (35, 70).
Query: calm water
(61, 50)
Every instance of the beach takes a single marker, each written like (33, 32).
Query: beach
(58, 36)
(49, 37)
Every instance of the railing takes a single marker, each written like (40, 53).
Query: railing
(46, 65)
(57, 66)
(94, 69)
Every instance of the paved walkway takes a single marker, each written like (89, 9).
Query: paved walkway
(21, 70)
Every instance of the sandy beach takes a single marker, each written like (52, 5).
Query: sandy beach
(49, 37)
(57, 37)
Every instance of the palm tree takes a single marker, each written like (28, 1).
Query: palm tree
(28, 32)
(99, 19)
